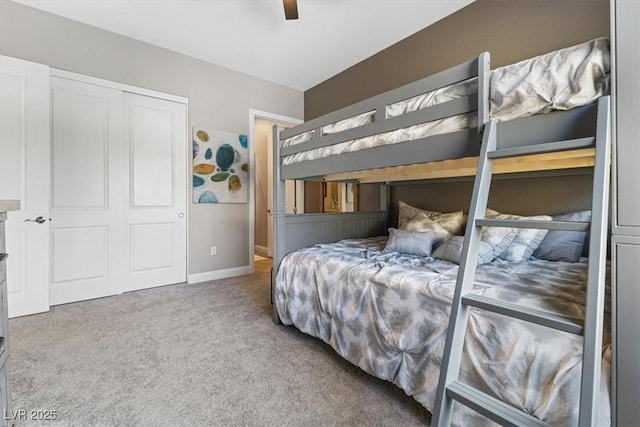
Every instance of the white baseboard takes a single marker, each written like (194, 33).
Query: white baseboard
(219, 274)
(261, 250)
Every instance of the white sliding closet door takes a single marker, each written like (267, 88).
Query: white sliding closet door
(24, 176)
(104, 173)
(156, 147)
(86, 191)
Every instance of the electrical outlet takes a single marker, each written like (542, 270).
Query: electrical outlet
(214, 250)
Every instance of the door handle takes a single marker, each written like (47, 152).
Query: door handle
(3, 256)
(39, 220)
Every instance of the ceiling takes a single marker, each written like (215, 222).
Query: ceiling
(252, 36)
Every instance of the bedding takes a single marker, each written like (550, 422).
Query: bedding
(387, 313)
(559, 80)
(436, 127)
(342, 125)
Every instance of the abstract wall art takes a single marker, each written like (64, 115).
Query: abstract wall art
(220, 167)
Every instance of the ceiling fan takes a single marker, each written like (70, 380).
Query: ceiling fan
(290, 9)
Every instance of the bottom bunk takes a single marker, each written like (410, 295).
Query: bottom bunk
(387, 312)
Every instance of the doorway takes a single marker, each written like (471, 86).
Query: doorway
(261, 130)
(324, 197)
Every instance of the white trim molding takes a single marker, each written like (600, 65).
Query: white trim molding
(219, 274)
(261, 250)
(55, 72)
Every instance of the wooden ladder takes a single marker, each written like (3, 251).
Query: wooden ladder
(450, 389)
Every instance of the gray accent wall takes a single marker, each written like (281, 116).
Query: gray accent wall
(219, 98)
(529, 195)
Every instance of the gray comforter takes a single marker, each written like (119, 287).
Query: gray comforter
(388, 313)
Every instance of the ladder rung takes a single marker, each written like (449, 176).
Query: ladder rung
(541, 225)
(491, 407)
(539, 317)
(549, 147)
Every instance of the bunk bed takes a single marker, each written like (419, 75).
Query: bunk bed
(386, 308)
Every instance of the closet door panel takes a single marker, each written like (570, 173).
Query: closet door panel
(80, 253)
(86, 191)
(152, 246)
(80, 159)
(151, 157)
(156, 215)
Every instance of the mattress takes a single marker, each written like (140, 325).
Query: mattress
(560, 80)
(388, 313)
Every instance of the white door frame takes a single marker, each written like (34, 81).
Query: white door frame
(253, 115)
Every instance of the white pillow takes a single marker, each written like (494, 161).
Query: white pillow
(493, 242)
(525, 241)
(409, 242)
(452, 221)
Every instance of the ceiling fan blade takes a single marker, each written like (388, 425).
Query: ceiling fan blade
(290, 9)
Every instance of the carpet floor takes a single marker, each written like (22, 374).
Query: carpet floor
(191, 355)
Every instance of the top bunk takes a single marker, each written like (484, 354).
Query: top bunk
(431, 128)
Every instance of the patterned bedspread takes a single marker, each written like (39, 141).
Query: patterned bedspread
(388, 313)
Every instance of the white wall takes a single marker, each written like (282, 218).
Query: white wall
(219, 98)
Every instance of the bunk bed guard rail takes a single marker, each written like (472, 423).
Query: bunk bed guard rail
(458, 144)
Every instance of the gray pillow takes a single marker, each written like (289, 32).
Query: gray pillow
(564, 245)
(409, 242)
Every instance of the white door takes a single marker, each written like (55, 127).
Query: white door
(156, 232)
(24, 140)
(294, 190)
(275, 131)
(86, 191)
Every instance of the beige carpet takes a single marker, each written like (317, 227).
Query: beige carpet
(192, 355)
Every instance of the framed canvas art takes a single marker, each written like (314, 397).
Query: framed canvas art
(220, 167)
